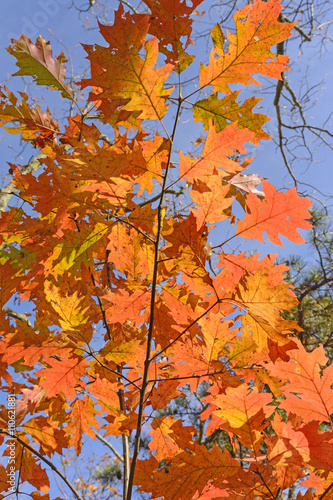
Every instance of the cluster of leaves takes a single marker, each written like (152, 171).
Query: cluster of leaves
(128, 311)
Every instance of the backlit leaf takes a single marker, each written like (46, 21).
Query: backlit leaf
(37, 61)
(257, 30)
(278, 213)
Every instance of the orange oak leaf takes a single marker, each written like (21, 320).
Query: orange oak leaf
(82, 419)
(4, 485)
(129, 252)
(278, 213)
(164, 392)
(126, 306)
(240, 264)
(187, 474)
(120, 424)
(199, 363)
(265, 302)
(9, 281)
(106, 392)
(266, 333)
(64, 376)
(189, 243)
(184, 236)
(144, 218)
(211, 201)
(257, 30)
(315, 396)
(218, 147)
(163, 442)
(169, 22)
(320, 446)
(264, 305)
(155, 154)
(30, 350)
(216, 334)
(47, 434)
(304, 443)
(35, 126)
(239, 405)
(313, 480)
(179, 306)
(123, 73)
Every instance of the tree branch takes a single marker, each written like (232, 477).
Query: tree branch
(297, 28)
(109, 445)
(45, 460)
(16, 315)
(9, 190)
(152, 309)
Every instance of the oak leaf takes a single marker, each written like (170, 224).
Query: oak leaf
(169, 22)
(187, 474)
(123, 73)
(163, 442)
(314, 399)
(34, 125)
(257, 30)
(217, 150)
(64, 376)
(82, 420)
(37, 61)
(227, 110)
(164, 393)
(212, 202)
(47, 434)
(278, 213)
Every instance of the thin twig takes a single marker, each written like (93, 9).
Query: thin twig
(184, 331)
(44, 459)
(265, 484)
(278, 93)
(107, 443)
(124, 438)
(112, 371)
(298, 28)
(326, 491)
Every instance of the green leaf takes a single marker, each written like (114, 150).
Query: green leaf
(227, 110)
(36, 61)
(217, 36)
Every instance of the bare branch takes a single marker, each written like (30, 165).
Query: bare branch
(45, 460)
(16, 315)
(9, 190)
(109, 445)
(298, 28)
